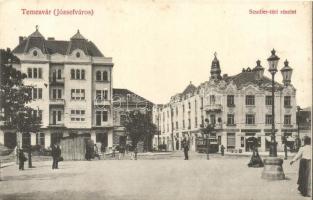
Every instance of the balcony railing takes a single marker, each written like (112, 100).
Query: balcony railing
(213, 107)
(104, 124)
(287, 125)
(56, 124)
(101, 102)
(56, 81)
(57, 101)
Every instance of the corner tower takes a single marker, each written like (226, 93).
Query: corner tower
(215, 68)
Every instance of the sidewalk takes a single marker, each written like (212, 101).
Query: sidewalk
(223, 178)
(263, 154)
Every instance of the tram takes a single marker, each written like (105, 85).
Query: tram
(203, 144)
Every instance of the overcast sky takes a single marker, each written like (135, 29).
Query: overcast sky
(158, 47)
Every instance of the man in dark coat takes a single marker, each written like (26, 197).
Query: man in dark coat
(56, 152)
(58, 156)
(222, 150)
(21, 159)
(185, 144)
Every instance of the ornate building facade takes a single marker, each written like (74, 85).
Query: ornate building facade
(73, 93)
(72, 89)
(239, 106)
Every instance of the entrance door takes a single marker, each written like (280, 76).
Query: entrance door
(122, 140)
(102, 138)
(10, 140)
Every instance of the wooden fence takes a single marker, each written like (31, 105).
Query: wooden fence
(73, 148)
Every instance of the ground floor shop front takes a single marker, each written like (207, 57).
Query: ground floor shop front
(104, 138)
(232, 140)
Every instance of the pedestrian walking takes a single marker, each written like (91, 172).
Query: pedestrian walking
(96, 151)
(89, 150)
(16, 154)
(113, 151)
(136, 152)
(177, 144)
(304, 176)
(21, 158)
(285, 150)
(56, 153)
(185, 145)
(222, 150)
(121, 152)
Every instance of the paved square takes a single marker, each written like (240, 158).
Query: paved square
(218, 178)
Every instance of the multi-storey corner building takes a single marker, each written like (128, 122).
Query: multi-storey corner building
(240, 106)
(72, 89)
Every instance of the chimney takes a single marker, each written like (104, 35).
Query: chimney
(20, 39)
(50, 38)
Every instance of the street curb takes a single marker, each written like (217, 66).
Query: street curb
(3, 165)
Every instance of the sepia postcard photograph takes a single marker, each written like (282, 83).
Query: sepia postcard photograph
(155, 100)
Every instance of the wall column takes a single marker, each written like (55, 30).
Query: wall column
(47, 139)
(32, 138)
(1, 137)
(110, 138)
(93, 136)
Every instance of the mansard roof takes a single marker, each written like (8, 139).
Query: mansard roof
(249, 77)
(57, 46)
(122, 93)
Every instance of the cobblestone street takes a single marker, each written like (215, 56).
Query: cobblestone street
(173, 178)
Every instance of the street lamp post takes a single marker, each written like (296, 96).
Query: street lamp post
(273, 169)
(298, 127)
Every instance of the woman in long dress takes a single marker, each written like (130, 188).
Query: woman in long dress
(305, 156)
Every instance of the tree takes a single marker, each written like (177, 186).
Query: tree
(14, 96)
(139, 126)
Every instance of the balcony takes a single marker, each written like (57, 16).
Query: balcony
(101, 102)
(56, 125)
(213, 108)
(104, 124)
(218, 126)
(288, 126)
(57, 102)
(231, 105)
(56, 81)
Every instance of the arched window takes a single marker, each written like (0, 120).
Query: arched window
(83, 74)
(72, 74)
(98, 76)
(77, 74)
(105, 76)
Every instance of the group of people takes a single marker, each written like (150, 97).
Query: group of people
(92, 151)
(55, 153)
(122, 150)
